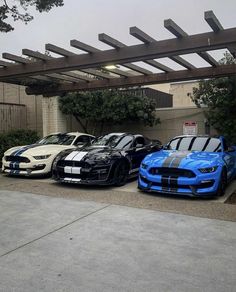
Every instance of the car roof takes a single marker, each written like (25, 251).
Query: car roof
(188, 136)
(70, 133)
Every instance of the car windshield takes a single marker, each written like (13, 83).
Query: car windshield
(114, 141)
(191, 143)
(61, 139)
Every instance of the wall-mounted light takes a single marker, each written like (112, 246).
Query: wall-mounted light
(110, 67)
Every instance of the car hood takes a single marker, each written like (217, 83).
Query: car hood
(183, 159)
(90, 153)
(37, 149)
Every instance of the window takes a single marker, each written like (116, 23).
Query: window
(81, 140)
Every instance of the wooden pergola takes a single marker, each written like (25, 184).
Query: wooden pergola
(49, 76)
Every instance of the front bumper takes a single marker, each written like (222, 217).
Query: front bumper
(33, 168)
(100, 175)
(203, 185)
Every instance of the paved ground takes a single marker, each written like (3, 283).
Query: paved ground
(127, 195)
(57, 244)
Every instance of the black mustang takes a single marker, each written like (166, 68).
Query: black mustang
(110, 159)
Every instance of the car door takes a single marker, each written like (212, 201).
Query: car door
(229, 157)
(139, 151)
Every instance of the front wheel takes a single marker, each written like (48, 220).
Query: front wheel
(121, 173)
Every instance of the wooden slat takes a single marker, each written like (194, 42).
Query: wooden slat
(179, 33)
(16, 59)
(182, 75)
(89, 49)
(66, 53)
(43, 57)
(5, 64)
(159, 49)
(118, 45)
(138, 33)
(212, 20)
(216, 26)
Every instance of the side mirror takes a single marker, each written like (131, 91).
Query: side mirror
(166, 147)
(139, 146)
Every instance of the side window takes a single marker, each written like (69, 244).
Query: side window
(81, 140)
(139, 142)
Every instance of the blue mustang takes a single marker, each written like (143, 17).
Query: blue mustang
(189, 165)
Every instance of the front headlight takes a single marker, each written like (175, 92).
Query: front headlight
(40, 157)
(208, 169)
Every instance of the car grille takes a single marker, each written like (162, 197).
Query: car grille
(63, 163)
(170, 171)
(17, 159)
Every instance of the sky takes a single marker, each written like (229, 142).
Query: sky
(85, 19)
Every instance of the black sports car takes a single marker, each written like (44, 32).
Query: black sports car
(110, 159)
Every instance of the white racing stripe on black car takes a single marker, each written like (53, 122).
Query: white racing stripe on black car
(74, 156)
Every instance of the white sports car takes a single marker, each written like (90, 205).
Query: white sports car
(37, 159)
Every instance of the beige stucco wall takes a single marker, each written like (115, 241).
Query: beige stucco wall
(16, 94)
(181, 92)
(172, 120)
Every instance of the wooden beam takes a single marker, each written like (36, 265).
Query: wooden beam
(147, 39)
(43, 57)
(83, 47)
(89, 49)
(141, 35)
(212, 20)
(179, 33)
(183, 62)
(159, 49)
(118, 45)
(182, 75)
(66, 53)
(6, 64)
(216, 26)
(16, 59)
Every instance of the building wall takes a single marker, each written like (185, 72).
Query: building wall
(15, 94)
(12, 116)
(172, 120)
(181, 92)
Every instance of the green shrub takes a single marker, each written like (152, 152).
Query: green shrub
(16, 138)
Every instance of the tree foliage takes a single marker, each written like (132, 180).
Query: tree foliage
(219, 95)
(17, 10)
(108, 107)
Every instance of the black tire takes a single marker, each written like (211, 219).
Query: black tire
(222, 184)
(121, 173)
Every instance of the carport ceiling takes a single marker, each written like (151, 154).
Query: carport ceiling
(47, 75)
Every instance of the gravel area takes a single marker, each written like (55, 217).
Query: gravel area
(125, 196)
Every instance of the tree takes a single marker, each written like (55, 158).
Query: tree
(18, 11)
(219, 95)
(108, 107)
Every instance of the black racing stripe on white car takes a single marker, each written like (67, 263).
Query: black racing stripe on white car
(206, 144)
(217, 148)
(191, 143)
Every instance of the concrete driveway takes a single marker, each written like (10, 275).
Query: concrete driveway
(57, 244)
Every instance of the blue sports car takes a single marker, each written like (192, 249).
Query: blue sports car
(189, 165)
